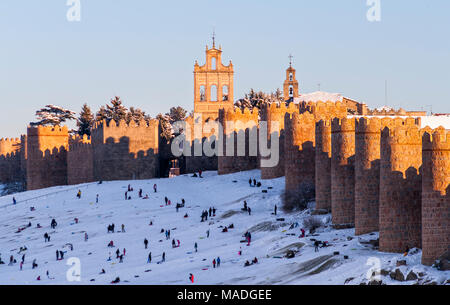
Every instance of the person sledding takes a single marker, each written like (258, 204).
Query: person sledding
(116, 280)
(255, 261)
(111, 244)
(224, 230)
(247, 263)
(173, 243)
(303, 233)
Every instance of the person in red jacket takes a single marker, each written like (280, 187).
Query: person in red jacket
(191, 277)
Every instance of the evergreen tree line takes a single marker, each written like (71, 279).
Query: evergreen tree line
(52, 115)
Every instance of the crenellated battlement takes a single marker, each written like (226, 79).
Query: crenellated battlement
(393, 112)
(435, 139)
(53, 131)
(341, 125)
(9, 146)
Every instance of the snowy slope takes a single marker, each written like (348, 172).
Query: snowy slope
(270, 238)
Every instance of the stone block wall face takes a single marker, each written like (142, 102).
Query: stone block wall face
(47, 156)
(274, 113)
(200, 137)
(242, 127)
(323, 165)
(80, 161)
(435, 195)
(367, 175)
(343, 172)
(124, 152)
(299, 150)
(400, 187)
(10, 160)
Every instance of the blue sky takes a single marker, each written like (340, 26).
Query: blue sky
(144, 51)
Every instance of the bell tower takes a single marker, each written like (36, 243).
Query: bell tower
(290, 86)
(213, 84)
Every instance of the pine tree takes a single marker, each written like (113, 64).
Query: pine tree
(85, 121)
(52, 115)
(166, 126)
(137, 115)
(176, 114)
(113, 111)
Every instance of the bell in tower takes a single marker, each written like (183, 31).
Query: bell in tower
(290, 86)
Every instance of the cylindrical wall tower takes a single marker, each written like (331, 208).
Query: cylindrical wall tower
(343, 172)
(400, 186)
(367, 174)
(323, 165)
(435, 195)
(274, 113)
(299, 150)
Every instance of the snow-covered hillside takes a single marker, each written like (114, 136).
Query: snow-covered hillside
(347, 256)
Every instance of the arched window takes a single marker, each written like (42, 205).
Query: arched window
(202, 93)
(213, 63)
(291, 91)
(291, 77)
(213, 93)
(225, 93)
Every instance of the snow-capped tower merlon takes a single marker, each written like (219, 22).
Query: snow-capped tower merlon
(240, 127)
(47, 156)
(125, 151)
(400, 186)
(274, 113)
(299, 160)
(343, 172)
(435, 195)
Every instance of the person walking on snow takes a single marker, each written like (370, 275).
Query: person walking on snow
(163, 257)
(214, 263)
(149, 260)
(218, 262)
(85, 236)
(316, 246)
(275, 209)
(96, 198)
(14, 200)
(195, 246)
(79, 194)
(145, 243)
(207, 234)
(249, 211)
(154, 187)
(191, 277)
(123, 228)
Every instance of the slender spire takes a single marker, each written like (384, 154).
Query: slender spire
(214, 37)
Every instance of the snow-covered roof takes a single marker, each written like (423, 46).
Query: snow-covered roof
(319, 96)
